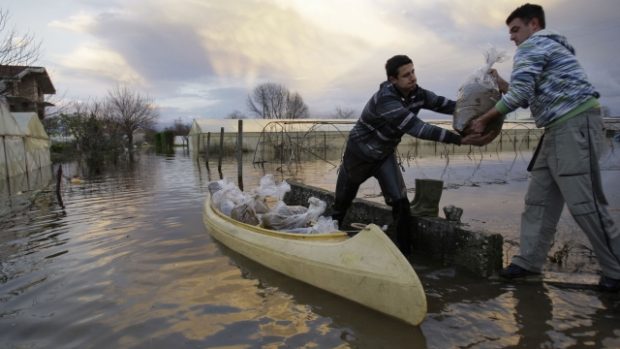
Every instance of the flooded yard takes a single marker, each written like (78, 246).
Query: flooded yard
(127, 263)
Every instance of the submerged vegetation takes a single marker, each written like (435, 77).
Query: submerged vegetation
(164, 142)
(100, 131)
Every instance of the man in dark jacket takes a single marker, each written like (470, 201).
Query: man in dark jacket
(389, 114)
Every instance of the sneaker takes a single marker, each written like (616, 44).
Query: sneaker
(607, 284)
(514, 271)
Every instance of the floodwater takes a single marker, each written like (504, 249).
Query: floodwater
(127, 263)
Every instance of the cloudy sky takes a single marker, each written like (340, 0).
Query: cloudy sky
(201, 58)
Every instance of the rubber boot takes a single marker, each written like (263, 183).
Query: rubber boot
(402, 219)
(339, 217)
(427, 196)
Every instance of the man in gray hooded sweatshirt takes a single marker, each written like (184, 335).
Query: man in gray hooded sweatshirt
(547, 77)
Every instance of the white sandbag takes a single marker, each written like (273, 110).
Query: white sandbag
(268, 187)
(478, 94)
(285, 217)
(245, 213)
(227, 196)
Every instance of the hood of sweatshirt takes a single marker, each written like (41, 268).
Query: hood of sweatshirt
(560, 39)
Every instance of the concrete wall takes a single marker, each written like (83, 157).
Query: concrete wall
(478, 253)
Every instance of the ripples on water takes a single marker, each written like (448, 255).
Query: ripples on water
(127, 263)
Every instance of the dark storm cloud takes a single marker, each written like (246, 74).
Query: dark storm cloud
(206, 56)
(591, 27)
(156, 50)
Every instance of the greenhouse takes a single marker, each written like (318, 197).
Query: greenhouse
(268, 137)
(24, 146)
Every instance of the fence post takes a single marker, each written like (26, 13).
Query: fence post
(58, 182)
(196, 152)
(240, 153)
(221, 152)
(514, 141)
(8, 169)
(325, 145)
(501, 136)
(6, 160)
(26, 163)
(207, 148)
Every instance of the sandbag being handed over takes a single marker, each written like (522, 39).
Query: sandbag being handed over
(478, 94)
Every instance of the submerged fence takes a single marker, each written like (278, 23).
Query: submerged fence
(288, 142)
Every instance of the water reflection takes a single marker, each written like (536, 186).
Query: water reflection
(464, 312)
(533, 312)
(333, 316)
(590, 324)
(16, 192)
(128, 263)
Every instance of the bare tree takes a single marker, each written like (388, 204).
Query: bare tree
(182, 129)
(56, 113)
(344, 113)
(86, 123)
(274, 101)
(236, 115)
(57, 105)
(295, 107)
(79, 114)
(132, 111)
(16, 49)
(268, 100)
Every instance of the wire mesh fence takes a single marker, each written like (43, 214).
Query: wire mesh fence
(506, 158)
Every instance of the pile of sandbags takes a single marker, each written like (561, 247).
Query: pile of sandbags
(264, 206)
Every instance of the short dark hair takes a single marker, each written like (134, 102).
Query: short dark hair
(392, 65)
(527, 12)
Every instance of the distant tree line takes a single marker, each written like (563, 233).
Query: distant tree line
(105, 129)
(165, 140)
(100, 129)
(275, 101)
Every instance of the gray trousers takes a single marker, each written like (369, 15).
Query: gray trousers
(566, 170)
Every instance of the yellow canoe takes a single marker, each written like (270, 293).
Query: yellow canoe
(366, 268)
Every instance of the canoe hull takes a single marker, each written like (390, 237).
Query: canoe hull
(366, 268)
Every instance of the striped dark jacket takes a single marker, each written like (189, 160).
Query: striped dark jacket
(388, 116)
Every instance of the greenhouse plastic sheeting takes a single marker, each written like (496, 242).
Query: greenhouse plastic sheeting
(24, 144)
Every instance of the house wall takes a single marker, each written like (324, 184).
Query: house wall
(28, 88)
(27, 92)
